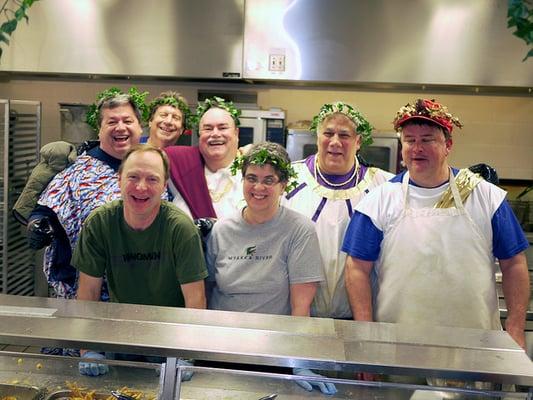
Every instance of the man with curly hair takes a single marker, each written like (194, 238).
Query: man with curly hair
(421, 247)
(169, 114)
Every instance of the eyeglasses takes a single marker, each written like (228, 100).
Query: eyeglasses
(268, 181)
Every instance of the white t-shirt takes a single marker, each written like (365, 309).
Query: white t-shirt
(224, 188)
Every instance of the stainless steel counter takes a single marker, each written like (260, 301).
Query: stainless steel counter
(466, 354)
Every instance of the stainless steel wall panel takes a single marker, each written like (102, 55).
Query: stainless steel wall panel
(186, 38)
(445, 42)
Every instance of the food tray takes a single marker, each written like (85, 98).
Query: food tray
(67, 395)
(20, 392)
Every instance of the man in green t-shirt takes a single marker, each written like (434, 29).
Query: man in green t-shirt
(149, 250)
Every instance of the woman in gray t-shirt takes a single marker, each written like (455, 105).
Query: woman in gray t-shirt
(265, 259)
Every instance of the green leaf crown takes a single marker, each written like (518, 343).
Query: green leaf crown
(176, 103)
(138, 98)
(263, 157)
(216, 102)
(363, 127)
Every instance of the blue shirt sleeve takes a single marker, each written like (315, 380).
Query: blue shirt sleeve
(508, 238)
(362, 239)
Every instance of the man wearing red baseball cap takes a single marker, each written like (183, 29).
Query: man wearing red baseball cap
(422, 247)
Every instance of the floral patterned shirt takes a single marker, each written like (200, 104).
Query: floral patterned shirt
(72, 195)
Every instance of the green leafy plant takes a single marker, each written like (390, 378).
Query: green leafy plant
(520, 16)
(13, 11)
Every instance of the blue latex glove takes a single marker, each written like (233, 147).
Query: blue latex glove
(186, 375)
(325, 387)
(92, 368)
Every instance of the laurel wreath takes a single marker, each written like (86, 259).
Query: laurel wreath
(363, 127)
(264, 157)
(176, 103)
(216, 102)
(138, 98)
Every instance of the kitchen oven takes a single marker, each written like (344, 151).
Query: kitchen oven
(300, 143)
(384, 152)
(262, 125)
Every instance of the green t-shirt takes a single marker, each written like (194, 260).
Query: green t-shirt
(142, 267)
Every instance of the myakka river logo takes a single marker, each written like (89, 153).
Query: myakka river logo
(250, 254)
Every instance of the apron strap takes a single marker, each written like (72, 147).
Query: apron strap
(405, 187)
(456, 196)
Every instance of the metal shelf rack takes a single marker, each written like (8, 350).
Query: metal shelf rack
(20, 133)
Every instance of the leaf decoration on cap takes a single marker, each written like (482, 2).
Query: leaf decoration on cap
(428, 110)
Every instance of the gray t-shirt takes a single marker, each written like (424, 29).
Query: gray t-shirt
(254, 265)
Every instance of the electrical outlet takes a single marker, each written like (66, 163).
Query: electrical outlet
(276, 62)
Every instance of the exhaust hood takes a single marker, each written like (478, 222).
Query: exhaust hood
(442, 42)
(163, 38)
(384, 43)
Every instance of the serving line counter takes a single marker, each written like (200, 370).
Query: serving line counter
(258, 339)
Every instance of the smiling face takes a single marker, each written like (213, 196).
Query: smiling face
(142, 182)
(425, 152)
(262, 190)
(219, 138)
(166, 126)
(119, 130)
(337, 143)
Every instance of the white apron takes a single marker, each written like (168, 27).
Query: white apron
(436, 268)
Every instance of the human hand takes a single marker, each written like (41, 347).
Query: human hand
(39, 233)
(204, 225)
(186, 375)
(324, 387)
(92, 368)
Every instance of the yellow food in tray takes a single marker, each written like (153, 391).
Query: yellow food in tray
(76, 392)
